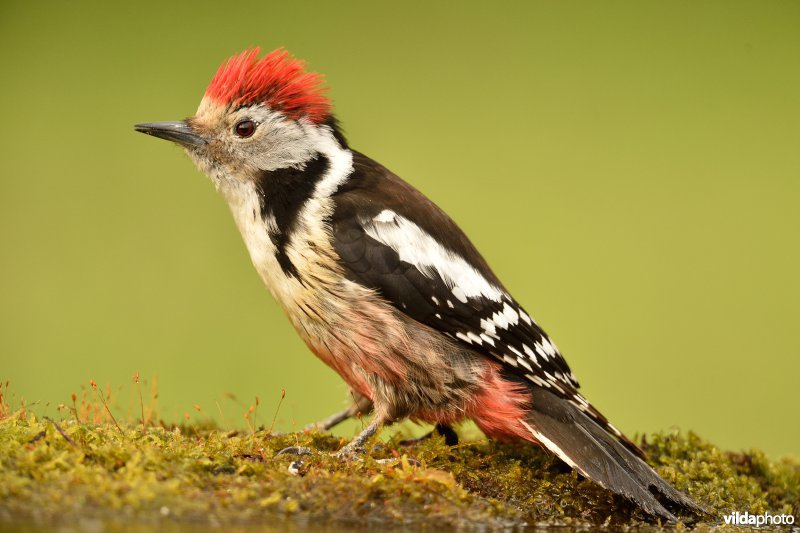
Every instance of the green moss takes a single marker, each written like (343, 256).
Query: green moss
(66, 471)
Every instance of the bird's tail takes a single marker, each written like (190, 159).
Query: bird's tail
(581, 442)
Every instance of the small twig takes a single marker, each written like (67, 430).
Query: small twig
(38, 436)
(61, 431)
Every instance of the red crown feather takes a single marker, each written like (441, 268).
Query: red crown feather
(277, 80)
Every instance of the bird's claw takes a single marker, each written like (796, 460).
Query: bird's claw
(349, 453)
(295, 450)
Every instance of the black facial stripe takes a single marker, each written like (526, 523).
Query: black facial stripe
(282, 193)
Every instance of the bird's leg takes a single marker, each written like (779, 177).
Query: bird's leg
(352, 449)
(356, 446)
(449, 434)
(361, 405)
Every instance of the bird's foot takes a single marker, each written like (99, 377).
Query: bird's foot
(356, 455)
(398, 460)
(295, 450)
(348, 453)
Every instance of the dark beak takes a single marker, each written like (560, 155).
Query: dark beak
(179, 132)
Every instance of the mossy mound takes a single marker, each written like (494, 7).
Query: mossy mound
(66, 471)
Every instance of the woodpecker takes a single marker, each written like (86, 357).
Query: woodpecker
(384, 287)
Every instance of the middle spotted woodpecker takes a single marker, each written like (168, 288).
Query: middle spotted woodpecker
(384, 287)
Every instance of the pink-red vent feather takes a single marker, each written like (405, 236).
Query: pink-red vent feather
(277, 80)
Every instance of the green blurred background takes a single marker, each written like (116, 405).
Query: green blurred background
(630, 169)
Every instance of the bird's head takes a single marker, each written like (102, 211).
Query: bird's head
(257, 115)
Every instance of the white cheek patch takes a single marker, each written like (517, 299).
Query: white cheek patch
(340, 166)
(340, 160)
(417, 247)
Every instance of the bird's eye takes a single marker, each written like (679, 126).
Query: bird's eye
(245, 128)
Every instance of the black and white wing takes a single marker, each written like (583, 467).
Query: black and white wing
(394, 240)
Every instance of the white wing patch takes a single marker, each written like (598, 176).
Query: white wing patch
(385, 216)
(417, 247)
(499, 325)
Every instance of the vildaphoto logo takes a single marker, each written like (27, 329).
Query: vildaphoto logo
(765, 519)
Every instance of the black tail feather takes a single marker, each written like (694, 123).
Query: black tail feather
(583, 444)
